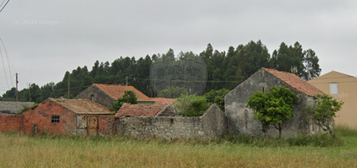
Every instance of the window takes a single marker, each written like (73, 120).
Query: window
(333, 88)
(55, 119)
(92, 97)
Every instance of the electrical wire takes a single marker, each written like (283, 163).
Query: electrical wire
(8, 62)
(4, 5)
(2, 59)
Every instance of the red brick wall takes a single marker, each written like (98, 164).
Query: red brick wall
(106, 125)
(41, 116)
(11, 122)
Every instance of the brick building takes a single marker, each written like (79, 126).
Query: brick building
(68, 116)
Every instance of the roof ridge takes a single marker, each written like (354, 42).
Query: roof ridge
(295, 82)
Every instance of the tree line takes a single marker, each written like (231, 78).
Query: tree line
(226, 69)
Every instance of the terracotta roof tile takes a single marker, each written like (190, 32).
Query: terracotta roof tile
(116, 91)
(295, 82)
(136, 110)
(81, 106)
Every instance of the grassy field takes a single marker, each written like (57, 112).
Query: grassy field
(18, 150)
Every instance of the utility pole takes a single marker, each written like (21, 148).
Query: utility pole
(127, 80)
(69, 84)
(29, 92)
(17, 81)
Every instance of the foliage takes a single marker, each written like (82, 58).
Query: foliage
(226, 69)
(217, 97)
(20, 150)
(25, 108)
(273, 108)
(190, 105)
(305, 61)
(172, 92)
(128, 97)
(323, 110)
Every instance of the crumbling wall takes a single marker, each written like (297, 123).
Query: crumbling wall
(212, 124)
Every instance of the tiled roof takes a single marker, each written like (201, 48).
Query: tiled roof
(116, 91)
(12, 107)
(162, 100)
(136, 110)
(295, 82)
(81, 106)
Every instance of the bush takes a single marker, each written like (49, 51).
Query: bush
(191, 105)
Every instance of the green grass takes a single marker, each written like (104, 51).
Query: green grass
(19, 150)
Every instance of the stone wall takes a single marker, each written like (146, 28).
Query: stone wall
(240, 118)
(11, 122)
(212, 124)
(98, 95)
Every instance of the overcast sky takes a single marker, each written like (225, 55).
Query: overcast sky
(46, 38)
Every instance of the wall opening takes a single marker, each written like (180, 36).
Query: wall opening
(55, 119)
(171, 121)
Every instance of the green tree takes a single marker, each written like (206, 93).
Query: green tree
(323, 110)
(172, 92)
(128, 97)
(9, 95)
(216, 97)
(304, 64)
(273, 108)
(190, 105)
(311, 65)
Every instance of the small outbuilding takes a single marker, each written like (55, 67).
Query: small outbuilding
(13, 107)
(240, 117)
(68, 116)
(145, 110)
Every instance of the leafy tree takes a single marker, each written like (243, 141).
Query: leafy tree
(172, 92)
(128, 97)
(273, 108)
(9, 95)
(323, 110)
(34, 94)
(287, 58)
(190, 105)
(217, 97)
(225, 69)
(311, 65)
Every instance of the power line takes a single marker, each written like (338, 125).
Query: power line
(7, 58)
(4, 5)
(2, 59)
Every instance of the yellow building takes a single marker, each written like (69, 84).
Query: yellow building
(343, 88)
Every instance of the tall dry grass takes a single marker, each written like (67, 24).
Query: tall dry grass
(18, 150)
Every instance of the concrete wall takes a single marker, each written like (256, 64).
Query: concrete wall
(11, 122)
(99, 96)
(211, 124)
(240, 118)
(347, 92)
(12, 107)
